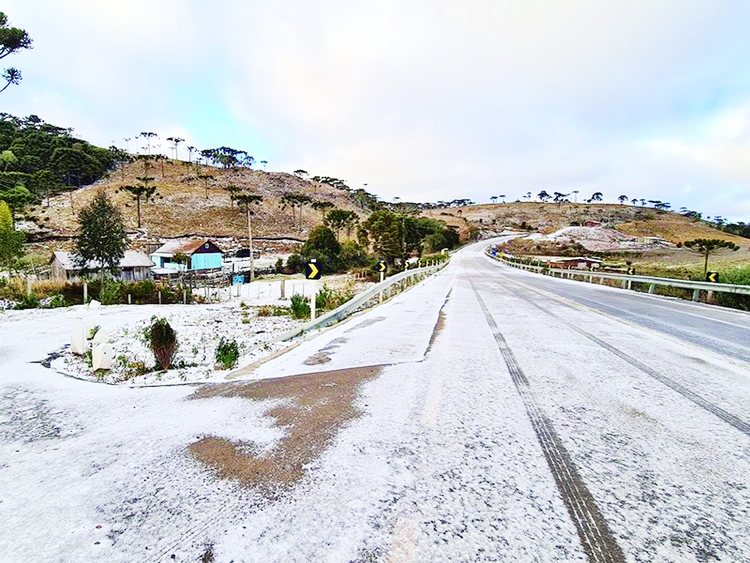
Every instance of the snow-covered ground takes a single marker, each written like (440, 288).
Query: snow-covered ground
(444, 462)
(596, 239)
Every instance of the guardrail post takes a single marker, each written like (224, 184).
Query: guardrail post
(630, 284)
(696, 295)
(624, 284)
(652, 288)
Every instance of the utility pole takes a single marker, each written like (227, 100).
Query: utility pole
(250, 239)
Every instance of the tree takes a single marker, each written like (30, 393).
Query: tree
(296, 200)
(207, 179)
(622, 199)
(246, 200)
(233, 190)
(12, 40)
(175, 145)
(101, 236)
(44, 182)
(543, 196)
(11, 241)
(338, 219)
(597, 196)
(706, 247)
(148, 135)
(142, 191)
(493, 199)
(322, 205)
(323, 246)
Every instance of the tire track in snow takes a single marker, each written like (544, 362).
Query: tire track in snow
(596, 538)
(724, 415)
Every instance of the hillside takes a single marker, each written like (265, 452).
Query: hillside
(184, 207)
(550, 217)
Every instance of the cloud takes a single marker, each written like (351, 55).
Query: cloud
(421, 100)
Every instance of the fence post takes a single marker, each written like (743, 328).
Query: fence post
(28, 286)
(85, 292)
(184, 296)
(130, 300)
(160, 297)
(283, 289)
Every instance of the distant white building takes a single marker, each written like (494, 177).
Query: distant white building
(134, 266)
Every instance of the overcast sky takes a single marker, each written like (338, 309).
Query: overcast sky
(421, 100)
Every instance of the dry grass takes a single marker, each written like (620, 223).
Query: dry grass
(314, 408)
(15, 288)
(183, 208)
(676, 228)
(550, 217)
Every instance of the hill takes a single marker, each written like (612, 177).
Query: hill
(188, 203)
(550, 217)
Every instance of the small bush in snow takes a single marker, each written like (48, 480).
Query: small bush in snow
(300, 306)
(162, 339)
(111, 293)
(272, 311)
(28, 302)
(227, 353)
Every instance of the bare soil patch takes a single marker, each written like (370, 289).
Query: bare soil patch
(324, 354)
(315, 407)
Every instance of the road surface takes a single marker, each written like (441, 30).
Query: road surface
(497, 415)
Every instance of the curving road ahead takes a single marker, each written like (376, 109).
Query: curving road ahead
(501, 416)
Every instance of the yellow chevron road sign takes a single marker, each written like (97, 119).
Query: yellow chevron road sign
(312, 270)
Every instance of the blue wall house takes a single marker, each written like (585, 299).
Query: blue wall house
(202, 254)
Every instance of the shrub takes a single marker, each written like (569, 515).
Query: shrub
(328, 299)
(28, 302)
(162, 339)
(272, 311)
(300, 306)
(227, 353)
(111, 292)
(295, 264)
(55, 301)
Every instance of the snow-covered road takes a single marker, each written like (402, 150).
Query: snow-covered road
(512, 418)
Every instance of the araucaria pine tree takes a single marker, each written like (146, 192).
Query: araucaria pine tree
(11, 241)
(101, 235)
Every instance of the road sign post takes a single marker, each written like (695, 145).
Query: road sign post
(381, 267)
(313, 272)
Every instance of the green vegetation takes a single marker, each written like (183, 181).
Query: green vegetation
(328, 299)
(227, 353)
(11, 241)
(38, 159)
(706, 247)
(272, 311)
(300, 307)
(101, 236)
(162, 339)
(12, 39)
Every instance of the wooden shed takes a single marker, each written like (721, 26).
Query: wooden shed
(134, 266)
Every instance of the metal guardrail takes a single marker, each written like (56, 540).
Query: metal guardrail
(382, 291)
(627, 281)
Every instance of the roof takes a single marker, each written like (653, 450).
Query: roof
(186, 247)
(132, 259)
